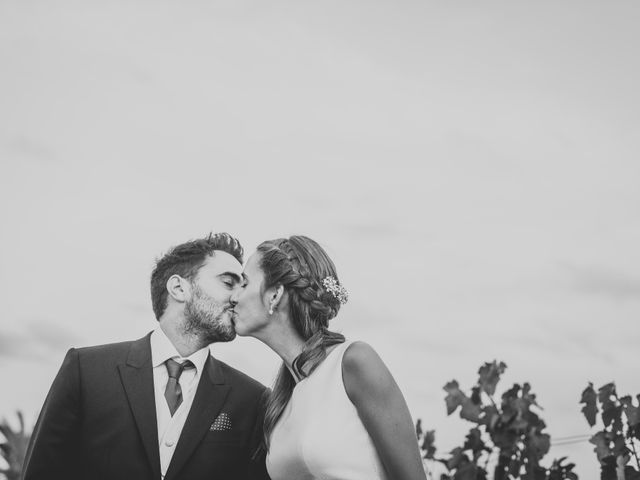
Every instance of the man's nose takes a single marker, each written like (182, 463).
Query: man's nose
(233, 298)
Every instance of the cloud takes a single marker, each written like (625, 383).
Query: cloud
(51, 337)
(38, 340)
(24, 147)
(368, 230)
(15, 346)
(605, 281)
(137, 308)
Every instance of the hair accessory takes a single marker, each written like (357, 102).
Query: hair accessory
(338, 291)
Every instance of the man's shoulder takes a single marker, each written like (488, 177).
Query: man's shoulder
(115, 349)
(238, 377)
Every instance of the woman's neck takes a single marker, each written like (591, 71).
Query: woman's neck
(287, 343)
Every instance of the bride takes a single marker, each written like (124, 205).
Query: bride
(335, 412)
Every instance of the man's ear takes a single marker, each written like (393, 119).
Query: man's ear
(178, 288)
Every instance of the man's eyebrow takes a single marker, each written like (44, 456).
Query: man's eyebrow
(233, 275)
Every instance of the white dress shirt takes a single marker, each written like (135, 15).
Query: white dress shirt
(169, 428)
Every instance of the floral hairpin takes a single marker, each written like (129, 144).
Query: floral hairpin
(337, 290)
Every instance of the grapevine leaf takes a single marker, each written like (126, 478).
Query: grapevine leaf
(631, 473)
(558, 471)
(509, 406)
(458, 458)
(515, 464)
(612, 415)
(540, 443)
(428, 444)
(590, 408)
(631, 411)
(454, 396)
(619, 446)
(535, 473)
(475, 396)
(519, 425)
(508, 415)
(466, 471)
(602, 449)
(505, 439)
(535, 422)
(635, 431)
(608, 469)
(491, 417)
(531, 397)
(489, 376)
(512, 393)
(474, 442)
(470, 411)
(606, 392)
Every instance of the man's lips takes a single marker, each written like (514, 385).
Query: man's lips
(233, 317)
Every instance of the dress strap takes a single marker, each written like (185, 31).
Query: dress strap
(334, 357)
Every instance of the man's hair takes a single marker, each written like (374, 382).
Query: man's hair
(185, 260)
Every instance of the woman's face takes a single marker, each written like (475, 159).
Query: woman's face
(250, 311)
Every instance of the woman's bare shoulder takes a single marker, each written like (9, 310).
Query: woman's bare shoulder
(363, 371)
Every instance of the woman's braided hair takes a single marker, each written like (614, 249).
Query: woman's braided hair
(299, 264)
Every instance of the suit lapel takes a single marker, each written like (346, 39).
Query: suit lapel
(207, 403)
(137, 379)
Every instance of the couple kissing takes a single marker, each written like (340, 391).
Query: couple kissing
(164, 408)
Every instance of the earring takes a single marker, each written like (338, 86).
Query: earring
(271, 310)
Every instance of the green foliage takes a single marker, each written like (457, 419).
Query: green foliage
(617, 443)
(510, 436)
(14, 448)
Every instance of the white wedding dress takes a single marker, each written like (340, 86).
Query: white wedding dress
(319, 435)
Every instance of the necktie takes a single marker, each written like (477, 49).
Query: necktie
(173, 392)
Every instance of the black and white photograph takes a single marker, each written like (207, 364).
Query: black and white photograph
(330, 240)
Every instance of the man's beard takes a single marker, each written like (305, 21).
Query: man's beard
(204, 318)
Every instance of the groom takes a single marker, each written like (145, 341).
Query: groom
(160, 407)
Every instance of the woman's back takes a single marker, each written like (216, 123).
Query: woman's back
(319, 435)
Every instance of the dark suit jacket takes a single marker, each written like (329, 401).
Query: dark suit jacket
(99, 421)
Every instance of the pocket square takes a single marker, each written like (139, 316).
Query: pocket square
(221, 423)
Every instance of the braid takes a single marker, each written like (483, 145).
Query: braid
(299, 264)
(322, 306)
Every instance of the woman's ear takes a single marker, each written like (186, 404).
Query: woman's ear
(274, 298)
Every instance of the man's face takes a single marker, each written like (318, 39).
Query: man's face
(208, 311)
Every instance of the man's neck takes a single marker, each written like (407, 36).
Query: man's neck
(186, 344)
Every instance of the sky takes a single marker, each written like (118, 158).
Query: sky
(471, 167)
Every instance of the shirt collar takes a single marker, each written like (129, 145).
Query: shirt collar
(162, 349)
